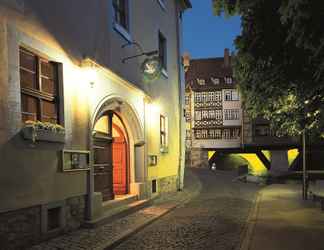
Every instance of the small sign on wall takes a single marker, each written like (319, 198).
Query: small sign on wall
(75, 160)
(152, 160)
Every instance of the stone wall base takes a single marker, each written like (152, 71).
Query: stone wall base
(198, 158)
(22, 228)
(163, 185)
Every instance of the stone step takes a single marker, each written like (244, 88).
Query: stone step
(119, 201)
(117, 211)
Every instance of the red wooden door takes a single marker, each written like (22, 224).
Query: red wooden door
(120, 165)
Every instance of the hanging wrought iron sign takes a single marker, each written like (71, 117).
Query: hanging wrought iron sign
(151, 68)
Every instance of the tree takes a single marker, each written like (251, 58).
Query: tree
(280, 61)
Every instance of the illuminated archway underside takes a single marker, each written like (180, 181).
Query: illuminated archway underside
(257, 167)
(292, 156)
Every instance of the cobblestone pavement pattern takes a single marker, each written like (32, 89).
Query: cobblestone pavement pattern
(105, 235)
(211, 214)
(212, 220)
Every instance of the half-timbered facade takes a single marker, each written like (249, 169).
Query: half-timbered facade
(217, 122)
(213, 105)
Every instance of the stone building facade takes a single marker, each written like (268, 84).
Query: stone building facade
(80, 125)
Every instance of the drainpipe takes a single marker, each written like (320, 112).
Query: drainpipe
(181, 137)
(145, 149)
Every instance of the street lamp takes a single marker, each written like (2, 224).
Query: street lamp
(304, 166)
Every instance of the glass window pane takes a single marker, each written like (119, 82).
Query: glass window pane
(27, 79)
(29, 107)
(49, 112)
(27, 60)
(47, 69)
(48, 86)
(162, 123)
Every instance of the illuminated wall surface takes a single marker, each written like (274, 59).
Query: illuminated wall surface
(267, 154)
(256, 166)
(210, 154)
(292, 155)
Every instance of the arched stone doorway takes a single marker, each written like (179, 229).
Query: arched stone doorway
(111, 156)
(117, 149)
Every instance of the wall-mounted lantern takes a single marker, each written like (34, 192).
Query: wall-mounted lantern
(90, 71)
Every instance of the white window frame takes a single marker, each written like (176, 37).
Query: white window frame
(215, 80)
(228, 80)
(162, 4)
(218, 96)
(123, 31)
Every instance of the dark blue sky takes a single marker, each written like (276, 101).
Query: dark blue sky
(206, 35)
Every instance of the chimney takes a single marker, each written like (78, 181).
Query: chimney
(226, 58)
(186, 61)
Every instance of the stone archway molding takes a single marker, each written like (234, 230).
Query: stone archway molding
(129, 114)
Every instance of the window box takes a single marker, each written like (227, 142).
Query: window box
(38, 131)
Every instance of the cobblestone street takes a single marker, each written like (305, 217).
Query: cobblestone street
(212, 220)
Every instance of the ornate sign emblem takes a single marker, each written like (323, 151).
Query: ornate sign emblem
(151, 68)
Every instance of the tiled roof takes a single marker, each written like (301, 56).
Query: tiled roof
(206, 69)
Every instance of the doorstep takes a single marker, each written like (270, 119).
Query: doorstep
(118, 208)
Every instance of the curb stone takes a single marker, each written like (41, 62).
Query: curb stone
(248, 228)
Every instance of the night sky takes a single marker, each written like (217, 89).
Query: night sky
(206, 35)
